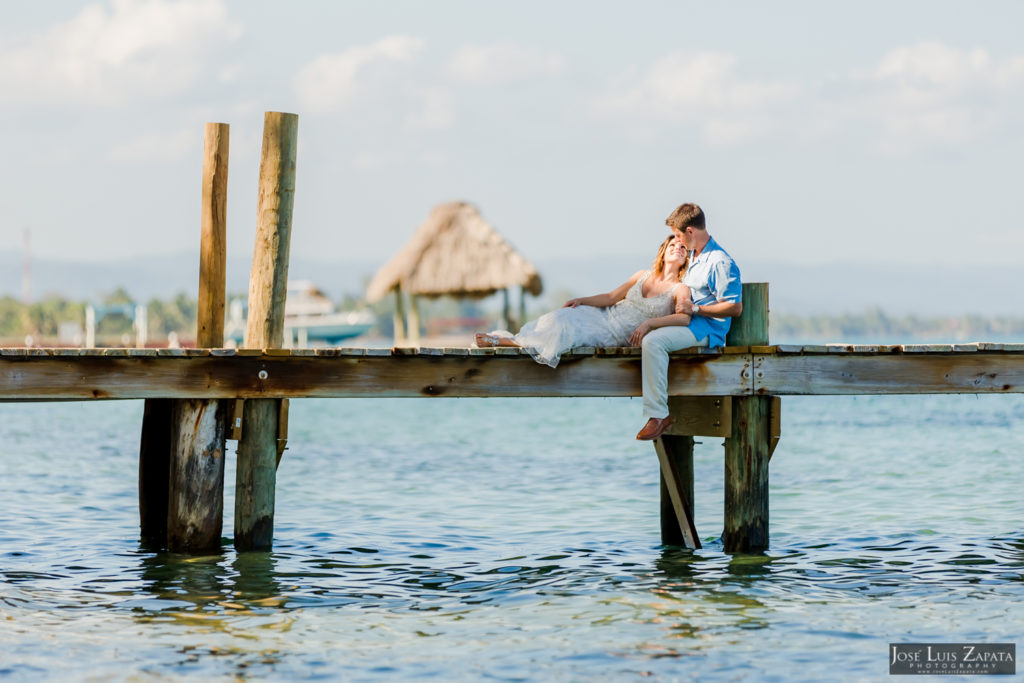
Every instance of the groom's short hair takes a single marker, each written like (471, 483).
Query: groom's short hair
(686, 216)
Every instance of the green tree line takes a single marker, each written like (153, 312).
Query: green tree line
(42, 320)
(878, 325)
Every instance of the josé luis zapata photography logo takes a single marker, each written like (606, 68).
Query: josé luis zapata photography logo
(952, 658)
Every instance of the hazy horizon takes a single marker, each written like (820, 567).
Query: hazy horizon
(836, 288)
(854, 155)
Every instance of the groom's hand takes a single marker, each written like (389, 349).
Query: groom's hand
(571, 303)
(685, 306)
(639, 333)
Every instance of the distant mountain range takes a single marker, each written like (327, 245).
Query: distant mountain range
(795, 289)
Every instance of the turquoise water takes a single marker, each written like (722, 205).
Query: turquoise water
(513, 539)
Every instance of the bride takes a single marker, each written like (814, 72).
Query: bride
(621, 317)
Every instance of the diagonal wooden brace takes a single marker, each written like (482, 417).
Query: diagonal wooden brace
(681, 503)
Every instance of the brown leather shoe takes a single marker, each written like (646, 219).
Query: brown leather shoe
(654, 428)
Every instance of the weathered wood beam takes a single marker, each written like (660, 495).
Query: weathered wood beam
(747, 447)
(747, 451)
(195, 515)
(238, 376)
(213, 240)
(700, 415)
(980, 372)
(60, 374)
(257, 449)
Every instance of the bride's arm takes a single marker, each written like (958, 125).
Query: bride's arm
(608, 298)
(682, 298)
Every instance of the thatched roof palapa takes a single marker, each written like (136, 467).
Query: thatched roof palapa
(455, 252)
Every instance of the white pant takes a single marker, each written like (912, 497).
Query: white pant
(656, 346)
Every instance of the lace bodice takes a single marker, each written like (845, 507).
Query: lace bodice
(554, 333)
(635, 307)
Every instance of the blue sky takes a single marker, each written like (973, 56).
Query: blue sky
(871, 133)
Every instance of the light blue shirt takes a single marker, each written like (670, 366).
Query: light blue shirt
(712, 277)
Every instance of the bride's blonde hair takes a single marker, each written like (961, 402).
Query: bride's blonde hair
(658, 267)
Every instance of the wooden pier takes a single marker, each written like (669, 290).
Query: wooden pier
(60, 374)
(196, 399)
(706, 388)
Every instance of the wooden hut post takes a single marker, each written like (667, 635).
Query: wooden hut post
(257, 449)
(413, 331)
(748, 448)
(506, 309)
(522, 308)
(398, 318)
(195, 515)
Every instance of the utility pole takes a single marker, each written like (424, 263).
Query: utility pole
(26, 273)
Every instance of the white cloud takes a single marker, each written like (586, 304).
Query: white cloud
(930, 93)
(701, 90)
(942, 68)
(331, 81)
(502, 63)
(106, 56)
(914, 97)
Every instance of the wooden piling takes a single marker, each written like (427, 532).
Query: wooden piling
(195, 516)
(154, 465)
(257, 449)
(748, 447)
(213, 245)
(747, 453)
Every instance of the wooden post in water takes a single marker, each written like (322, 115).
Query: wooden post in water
(257, 449)
(154, 464)
(748, 448)
(213, 245)
(195, 515)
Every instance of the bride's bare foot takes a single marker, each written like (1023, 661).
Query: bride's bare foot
(484, 340)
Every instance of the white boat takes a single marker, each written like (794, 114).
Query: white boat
(310, 318)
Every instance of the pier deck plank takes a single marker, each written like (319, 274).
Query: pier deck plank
(86, 374)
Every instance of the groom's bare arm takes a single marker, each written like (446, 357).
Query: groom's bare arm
(719, 309)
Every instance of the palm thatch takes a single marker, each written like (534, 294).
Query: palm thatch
(455, 252)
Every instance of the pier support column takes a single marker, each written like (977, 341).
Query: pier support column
(195, 514)
(257, 449)
(675, 455)
(154, 466)
(748, 446)
(747, 452)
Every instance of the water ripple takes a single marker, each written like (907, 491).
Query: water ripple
(521, 556)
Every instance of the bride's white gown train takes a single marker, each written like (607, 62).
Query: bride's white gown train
(554, 333)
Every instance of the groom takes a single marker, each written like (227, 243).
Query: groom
(714, 282)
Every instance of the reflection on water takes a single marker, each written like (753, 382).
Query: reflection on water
(526, 555)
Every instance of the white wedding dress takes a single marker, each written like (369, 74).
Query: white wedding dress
(554, 333)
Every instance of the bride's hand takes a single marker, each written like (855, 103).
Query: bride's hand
(571, 303)
(639, 333)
